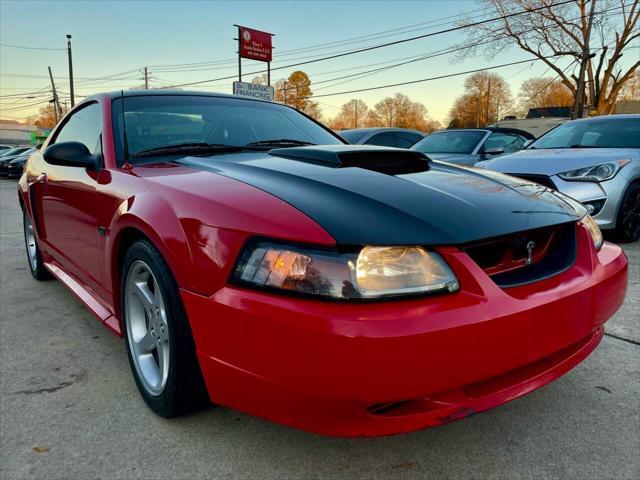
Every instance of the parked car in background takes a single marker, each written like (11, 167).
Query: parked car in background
(470, 145)
(5, 147)
(13, 151)
(249, 256)
(383, 136)
(20, 158)
(535, 126)
(13, 167)
(594, 160)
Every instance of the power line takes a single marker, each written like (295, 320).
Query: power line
(321, 46)
(428, 79)
(388, 44)
(454, 49)
(30, 48)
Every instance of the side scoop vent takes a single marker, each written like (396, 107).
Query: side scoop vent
(390, 161)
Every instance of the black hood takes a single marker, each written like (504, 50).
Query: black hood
(435, 204)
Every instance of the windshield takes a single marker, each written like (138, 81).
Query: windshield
(609, 132)
(450, 142)
(352, 136)
(156, 121)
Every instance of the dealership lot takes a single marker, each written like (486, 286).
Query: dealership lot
(69, 408)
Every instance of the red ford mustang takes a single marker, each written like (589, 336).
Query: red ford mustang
(251, 258)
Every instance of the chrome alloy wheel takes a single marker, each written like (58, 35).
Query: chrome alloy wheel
(147, 329)
(30, 240)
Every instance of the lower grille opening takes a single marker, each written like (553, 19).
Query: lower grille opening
(526, 257)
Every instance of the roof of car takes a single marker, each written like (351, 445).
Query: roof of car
(381, 129)
(158, 92)
(609, 117)
(490, 129)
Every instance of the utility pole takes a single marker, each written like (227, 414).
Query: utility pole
(146, 78)
(578, 104)
(56, 101)
(73, 101)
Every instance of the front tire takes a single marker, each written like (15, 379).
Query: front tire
(157, 335)
(628, 221)
(34, 259)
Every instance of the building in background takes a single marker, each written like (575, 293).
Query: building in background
(15, 133)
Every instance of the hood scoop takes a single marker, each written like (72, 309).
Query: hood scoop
(390, 161)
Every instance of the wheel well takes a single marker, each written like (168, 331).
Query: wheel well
(126, 238)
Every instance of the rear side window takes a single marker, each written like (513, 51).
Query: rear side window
(509, 142)
(407, 139)
(382, 139)
(84, 126)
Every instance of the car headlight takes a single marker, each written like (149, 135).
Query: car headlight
(370, 273)
(594, 173)
(594, 230)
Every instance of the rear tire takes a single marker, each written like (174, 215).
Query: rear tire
(157, 335)
(34, 259)
(628, 221)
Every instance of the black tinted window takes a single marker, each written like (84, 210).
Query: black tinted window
(84, 126)
(382, 139)
(352, 136)
(160, 120)
(407, 139)
(454, 141)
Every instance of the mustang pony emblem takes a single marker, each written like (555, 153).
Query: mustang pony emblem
(530, 246)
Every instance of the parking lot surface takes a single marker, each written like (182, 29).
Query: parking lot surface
(69, 408)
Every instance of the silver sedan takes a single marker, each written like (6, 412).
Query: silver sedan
(594, 160)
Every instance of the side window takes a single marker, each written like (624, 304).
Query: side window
(506, 141)
(84, 126)
(383, 139)
(407, 139)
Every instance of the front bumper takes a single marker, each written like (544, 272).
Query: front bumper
(609, 192)
(14, 171)
(368, 369)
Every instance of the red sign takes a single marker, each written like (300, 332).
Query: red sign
(255, 44)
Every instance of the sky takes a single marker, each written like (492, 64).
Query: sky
(119, 38)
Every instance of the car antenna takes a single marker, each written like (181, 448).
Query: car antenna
(127, 166)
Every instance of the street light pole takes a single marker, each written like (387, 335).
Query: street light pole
(73, 102)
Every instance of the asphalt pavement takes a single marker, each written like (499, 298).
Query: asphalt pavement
(69, 408)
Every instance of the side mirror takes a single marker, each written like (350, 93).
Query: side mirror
(71, 154)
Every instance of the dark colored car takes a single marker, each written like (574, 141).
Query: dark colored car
(470, 145)
(250, 257)
(11, 165)
(383, 136)
(13, 151)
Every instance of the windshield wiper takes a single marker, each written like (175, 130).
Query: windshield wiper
(196, 147)
(279, 142)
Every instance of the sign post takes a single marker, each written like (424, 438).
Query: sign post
(254, 45)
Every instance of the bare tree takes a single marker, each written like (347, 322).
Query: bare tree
(353, 114)
(486, 94)
(561, 31)
(543, 93)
